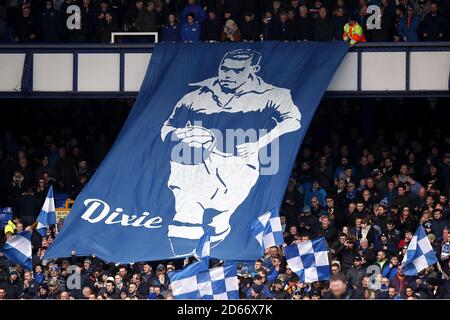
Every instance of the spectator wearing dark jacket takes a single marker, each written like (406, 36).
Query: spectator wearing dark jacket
(49, 23)
(356, 273)
(211, 27)
(286, 28)
(26, 27)
(171, 30)
(269, 27)
(304, 28)
(232, 9)
(346, 254)
(434, 25)
(13, 286)
(400, 282)
(146, 18)
(105, 29)
(323, 26)
(249, 28)
(339, 22)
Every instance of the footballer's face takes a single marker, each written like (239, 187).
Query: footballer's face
(234, 73)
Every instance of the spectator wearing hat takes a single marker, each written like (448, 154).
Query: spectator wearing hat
(386, 244)
(307, 222)
(409, 26)
(12, 286)
(161, 280)
(355, 274)
(278, 291)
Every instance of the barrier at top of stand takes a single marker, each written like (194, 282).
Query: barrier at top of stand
(116, 70)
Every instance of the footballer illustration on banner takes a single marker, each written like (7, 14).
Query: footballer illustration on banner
(222, 179)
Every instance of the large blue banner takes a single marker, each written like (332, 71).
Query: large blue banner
(208, 146)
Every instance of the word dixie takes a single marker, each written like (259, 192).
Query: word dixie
(98, 211)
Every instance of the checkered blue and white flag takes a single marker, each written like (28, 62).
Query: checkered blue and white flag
(47, 216)
(267, 229)
(419, 254)
(309, 260)
(196, 282)
(18, 249)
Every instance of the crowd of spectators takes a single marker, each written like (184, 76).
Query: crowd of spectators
(364, 189)
(51, 21)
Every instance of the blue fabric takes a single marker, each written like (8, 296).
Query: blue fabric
(190, 32)
(47, 216)
(419, 255)
(309, 260)
(18, 249)
(268, 231)
(154, 196)
(196, 281)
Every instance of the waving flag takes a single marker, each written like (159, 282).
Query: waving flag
(419, 255)
(203, 250)
(18, 249)
(268, 230)
(196, 282)
(208, 146)
(309, 260)
(47, 216)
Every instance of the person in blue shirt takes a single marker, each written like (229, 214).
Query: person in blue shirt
(194, 8)
(316, 191)
(171, 30)
(190, 31)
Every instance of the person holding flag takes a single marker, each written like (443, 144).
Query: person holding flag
(419, 254)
